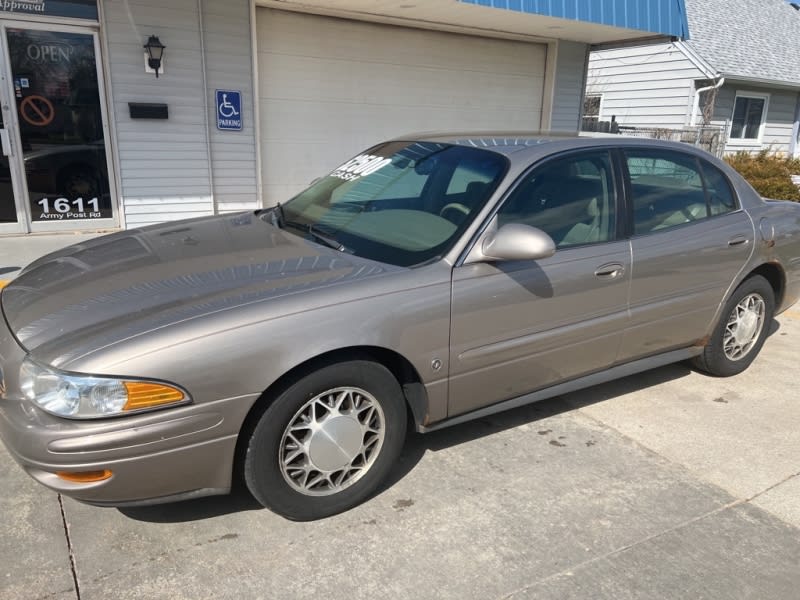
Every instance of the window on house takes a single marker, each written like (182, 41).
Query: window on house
(748, 117)
(591, 107)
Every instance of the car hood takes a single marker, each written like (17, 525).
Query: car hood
(125, 284)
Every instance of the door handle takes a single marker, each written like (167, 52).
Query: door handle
(5, 141)
(738, 240)
(610, 271)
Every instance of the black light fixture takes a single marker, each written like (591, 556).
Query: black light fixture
(155, 52)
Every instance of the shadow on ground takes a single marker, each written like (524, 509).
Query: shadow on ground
(418, 444)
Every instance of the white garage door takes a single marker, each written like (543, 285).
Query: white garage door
(330, 87)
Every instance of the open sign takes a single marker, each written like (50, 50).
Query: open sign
(52, 53)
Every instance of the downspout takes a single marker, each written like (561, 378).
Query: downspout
(696, 104)
(795, 129)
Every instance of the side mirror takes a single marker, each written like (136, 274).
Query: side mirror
(513, 242)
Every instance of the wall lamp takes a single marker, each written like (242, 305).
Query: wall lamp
(155, 52)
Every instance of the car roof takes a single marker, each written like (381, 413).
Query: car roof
(528, 143)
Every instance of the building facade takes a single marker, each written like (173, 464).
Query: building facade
(255, 98)
(738, 74)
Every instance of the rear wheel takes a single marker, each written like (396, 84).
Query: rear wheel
(741, 331)
(327, 442)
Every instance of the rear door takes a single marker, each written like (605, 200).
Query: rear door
(689, 241)
(519, 326)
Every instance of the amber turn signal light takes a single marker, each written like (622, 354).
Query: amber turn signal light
(148, 395)
(85, 476)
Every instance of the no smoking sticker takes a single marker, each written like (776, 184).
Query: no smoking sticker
(37, 111)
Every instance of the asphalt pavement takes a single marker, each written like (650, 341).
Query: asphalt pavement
(668, 484)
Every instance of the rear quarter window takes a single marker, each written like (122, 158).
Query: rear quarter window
(721, 198)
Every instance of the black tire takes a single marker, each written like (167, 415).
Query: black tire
(265, 451)
(714, 360)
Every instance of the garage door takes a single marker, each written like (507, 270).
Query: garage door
(330, 87)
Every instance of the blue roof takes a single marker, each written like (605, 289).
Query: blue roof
(656, 17)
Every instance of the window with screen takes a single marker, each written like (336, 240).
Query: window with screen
(748, 117)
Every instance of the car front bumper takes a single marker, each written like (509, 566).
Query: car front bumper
(154, 457)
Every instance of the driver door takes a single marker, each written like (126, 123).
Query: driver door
(520, 326)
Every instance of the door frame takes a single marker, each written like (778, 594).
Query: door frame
(12, 131)
(26, 224)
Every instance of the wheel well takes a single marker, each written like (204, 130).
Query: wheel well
(776, 278)
(405, 373)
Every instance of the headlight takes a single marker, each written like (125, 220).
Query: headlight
(86, 397)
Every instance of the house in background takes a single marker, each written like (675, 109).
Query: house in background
(740, 72)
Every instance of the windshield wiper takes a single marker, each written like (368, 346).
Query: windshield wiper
(328, 240)
(278, 217)
(317, 235)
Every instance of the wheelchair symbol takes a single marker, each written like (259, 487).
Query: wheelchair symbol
(226, 109)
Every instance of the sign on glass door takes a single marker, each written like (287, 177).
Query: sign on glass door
(61, 124)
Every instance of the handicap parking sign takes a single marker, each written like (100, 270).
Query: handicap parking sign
(229, 110)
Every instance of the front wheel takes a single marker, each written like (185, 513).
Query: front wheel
(741, 331)
(327, 442)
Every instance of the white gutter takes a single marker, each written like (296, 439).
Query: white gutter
(793, 143)
(696, 105)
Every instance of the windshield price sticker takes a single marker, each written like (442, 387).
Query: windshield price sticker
(62, 208)
(361, 166)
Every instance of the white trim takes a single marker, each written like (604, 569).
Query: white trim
(732, 141)
(549, 86)
(113, 155)
(256, 102)
(704, 67)
(51, 20)
(11, 126)
(201, 26)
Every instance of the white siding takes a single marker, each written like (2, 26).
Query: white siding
(331, 87)
(164, 165)
(645, 86)
(777, 134)
(229, 64)
(570, 76)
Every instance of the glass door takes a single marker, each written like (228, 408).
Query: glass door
(12, 216)
(61, 127)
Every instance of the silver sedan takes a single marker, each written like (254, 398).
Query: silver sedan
(421, 284)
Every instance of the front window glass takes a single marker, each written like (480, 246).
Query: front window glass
(748, 113)
(403, 203)
(572, 200)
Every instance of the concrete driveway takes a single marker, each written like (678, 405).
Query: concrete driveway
(668, 484)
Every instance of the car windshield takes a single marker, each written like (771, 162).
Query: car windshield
(402, 203)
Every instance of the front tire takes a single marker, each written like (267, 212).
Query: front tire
(327, 442)
(741, 331)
